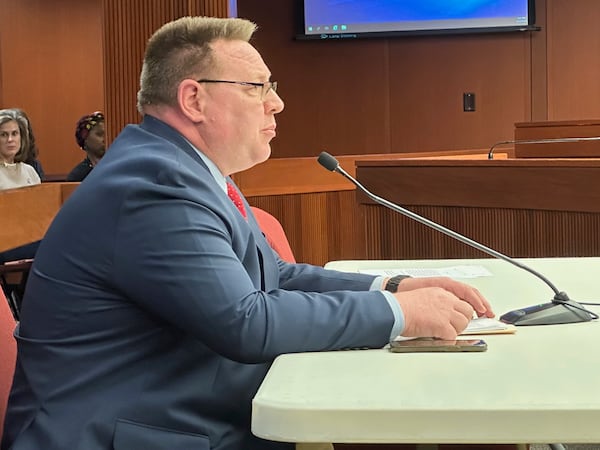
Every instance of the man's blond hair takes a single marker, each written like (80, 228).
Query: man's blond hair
(181, 49)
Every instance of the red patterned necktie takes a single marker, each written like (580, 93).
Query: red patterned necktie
(235, 197)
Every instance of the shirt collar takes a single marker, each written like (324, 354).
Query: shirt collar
(214, 170)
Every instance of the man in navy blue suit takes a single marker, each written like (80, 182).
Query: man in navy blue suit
(150, 320)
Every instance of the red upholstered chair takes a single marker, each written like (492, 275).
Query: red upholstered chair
(8, 354)
(274, 233)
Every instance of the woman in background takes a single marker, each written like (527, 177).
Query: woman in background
(32, 151)
(89, 134)
(14, 146)
(18, 162)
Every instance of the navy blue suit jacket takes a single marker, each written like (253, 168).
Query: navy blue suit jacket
(154, 310)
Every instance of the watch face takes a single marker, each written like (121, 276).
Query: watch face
(392, 284)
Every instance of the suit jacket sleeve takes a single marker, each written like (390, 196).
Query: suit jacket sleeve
(206, 270)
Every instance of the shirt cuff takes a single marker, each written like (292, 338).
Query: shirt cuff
(377, 284)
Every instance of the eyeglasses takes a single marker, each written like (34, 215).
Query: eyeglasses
(264, 87)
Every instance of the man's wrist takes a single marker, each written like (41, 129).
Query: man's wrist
(392, 283)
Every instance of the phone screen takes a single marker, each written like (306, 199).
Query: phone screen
(438, 345)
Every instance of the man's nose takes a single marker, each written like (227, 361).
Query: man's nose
(274, 103)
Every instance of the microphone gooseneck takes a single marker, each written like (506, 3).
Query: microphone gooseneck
(541, 141)
(560, 298)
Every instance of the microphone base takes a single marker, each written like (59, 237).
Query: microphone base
(550, 313)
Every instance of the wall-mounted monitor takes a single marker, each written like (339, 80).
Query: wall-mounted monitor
(347, 19)
(233, 8)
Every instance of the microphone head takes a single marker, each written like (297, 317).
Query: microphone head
(328, 161)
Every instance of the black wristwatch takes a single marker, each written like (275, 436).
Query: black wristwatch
(392, 284)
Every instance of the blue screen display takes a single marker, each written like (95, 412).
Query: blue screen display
(372, 16)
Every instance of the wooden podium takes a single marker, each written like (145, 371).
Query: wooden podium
(587, 147)
(519, 207)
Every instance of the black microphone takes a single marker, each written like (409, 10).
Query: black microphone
(560, 310)
(541, 141)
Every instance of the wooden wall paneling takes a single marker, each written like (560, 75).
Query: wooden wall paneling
(314, 230)
(345, 227)
(347, 97)
(317, 208)
(539, 64)
(52, 67)
(62, 59)
(391, 95)
(211, 8)
(516, 233)
(430, 75)
(2, 39)
(127, 28)
(573, 59)
(335, 92)
(320, 227)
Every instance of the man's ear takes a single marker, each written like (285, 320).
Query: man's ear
(190, 97)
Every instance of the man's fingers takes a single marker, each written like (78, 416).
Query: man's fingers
(460, 321)
(434, 312)
(447, 332)
(483, 307)
(464, 308)
(461, 290)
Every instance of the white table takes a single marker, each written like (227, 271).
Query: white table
(541, 384)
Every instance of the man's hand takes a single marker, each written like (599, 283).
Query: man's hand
(439, 307)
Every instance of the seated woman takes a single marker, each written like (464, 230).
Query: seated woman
(14, 146)
(89, 134)
(15, 173)
(32, 151)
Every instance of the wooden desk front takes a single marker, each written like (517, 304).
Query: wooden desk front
(523, 208)
(26, 213)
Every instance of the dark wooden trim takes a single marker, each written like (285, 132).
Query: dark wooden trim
(541, 184)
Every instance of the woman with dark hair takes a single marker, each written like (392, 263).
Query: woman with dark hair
(14, 147)
(89, 134)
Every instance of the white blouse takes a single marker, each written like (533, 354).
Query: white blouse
(17, 175)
